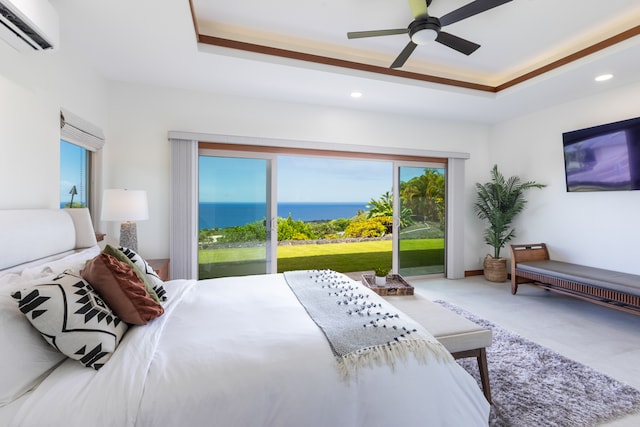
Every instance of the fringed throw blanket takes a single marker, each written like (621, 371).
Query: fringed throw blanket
(362, 329)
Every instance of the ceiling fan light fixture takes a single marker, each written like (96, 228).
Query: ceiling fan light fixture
(424, 31)
(424, 36)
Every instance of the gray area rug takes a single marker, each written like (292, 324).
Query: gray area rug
(534, 386)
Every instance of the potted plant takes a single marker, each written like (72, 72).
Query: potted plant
(381, 274)
(498, 202)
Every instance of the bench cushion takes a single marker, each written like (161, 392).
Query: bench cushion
(454, 332)
(598, 277)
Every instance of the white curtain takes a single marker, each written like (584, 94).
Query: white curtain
(183, 233)
(455, 219)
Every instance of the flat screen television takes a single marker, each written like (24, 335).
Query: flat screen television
(603, 158)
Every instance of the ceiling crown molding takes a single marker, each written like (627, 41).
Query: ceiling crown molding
(430, 78)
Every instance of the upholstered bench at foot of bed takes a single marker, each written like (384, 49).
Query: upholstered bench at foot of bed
(461, 337)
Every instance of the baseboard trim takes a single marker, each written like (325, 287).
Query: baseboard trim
(469, 273)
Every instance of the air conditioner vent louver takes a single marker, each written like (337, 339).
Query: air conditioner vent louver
(28, 25)
(32, 36)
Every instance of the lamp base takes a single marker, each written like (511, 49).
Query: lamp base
(129, 236)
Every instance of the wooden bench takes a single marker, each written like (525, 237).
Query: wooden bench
(530, 264)
(460, 336)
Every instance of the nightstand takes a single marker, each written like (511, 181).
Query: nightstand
(161, 267)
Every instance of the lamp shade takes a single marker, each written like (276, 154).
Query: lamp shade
(124, 205)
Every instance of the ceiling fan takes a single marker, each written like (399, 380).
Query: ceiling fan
(425, 29)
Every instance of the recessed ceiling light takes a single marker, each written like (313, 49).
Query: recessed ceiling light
(356, 94)
(604, 77)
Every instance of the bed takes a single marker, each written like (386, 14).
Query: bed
(242, 351)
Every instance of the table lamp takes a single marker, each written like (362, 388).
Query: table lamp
(126, 206)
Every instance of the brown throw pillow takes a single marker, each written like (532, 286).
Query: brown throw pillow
(121, 288)
(120, 256)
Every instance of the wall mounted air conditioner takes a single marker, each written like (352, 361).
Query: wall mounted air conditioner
(29, 25)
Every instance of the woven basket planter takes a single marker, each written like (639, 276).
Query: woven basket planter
(495, 269)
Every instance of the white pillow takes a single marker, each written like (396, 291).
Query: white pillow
(73, 318)
(25, 358)
(156, 282)
(72, 260)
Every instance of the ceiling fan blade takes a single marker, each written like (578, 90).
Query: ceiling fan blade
(418, 8)
(473, 8)
(376, 33)
(457, 43)
(404, 55)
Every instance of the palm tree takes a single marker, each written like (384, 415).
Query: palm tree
(424, 195)
(383, 207)
(499, 202)
(73, 192)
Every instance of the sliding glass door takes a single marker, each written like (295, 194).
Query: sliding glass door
(419, 232)
(235, 196)
(350, 215)
(333, 213)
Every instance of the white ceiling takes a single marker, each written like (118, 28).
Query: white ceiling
(155, 42)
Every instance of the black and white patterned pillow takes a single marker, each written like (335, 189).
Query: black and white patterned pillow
(156, 282)
(73, 318)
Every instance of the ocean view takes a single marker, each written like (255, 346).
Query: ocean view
(224, 215)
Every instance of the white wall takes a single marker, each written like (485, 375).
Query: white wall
(138, 150)
(592, 228)
(33, 87)
(600, 229)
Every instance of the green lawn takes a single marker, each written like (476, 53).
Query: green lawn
(297, 251)
(343, 257)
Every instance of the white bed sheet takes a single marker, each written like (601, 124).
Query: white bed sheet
(243, 352)
(9, 411)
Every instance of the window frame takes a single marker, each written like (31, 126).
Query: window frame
(84, 134)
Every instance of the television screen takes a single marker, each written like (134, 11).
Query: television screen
(603, 158)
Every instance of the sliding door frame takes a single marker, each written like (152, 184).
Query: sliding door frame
(396, 206)
(271, 199)
(454, 162)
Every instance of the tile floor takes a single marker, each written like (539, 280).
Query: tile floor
(603, 338)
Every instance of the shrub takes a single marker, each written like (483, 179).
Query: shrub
(288, 229)
(252, 232)
(326, 229)
(372, 227)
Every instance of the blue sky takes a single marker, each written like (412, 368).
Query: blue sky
(71, 159)
(314, 179)
(300, 179)
(232, 180)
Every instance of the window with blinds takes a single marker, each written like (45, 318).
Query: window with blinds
(79, 141)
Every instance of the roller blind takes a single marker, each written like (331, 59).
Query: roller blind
(78, 131)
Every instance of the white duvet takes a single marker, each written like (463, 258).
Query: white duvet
(243, 352)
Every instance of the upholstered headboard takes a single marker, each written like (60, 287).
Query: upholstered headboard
(32, 234)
